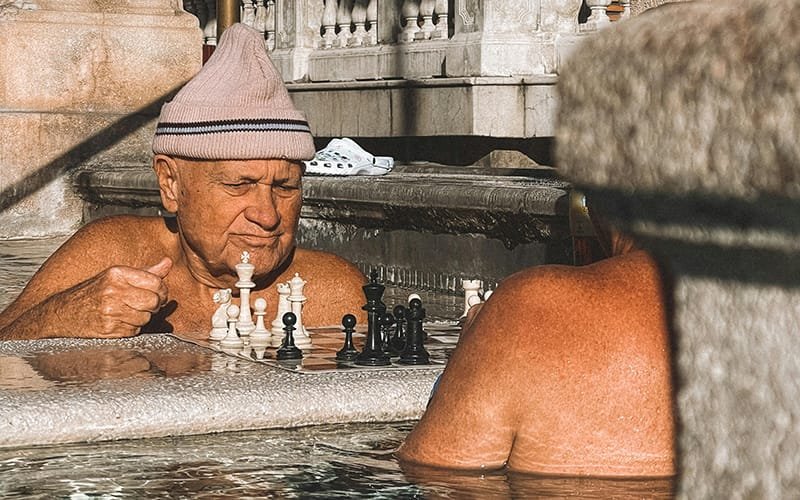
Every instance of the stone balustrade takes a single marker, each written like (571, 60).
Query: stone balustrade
(350, 40)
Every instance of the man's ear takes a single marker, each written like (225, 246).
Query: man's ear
(167, 172)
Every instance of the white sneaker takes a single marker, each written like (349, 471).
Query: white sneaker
(343, 157)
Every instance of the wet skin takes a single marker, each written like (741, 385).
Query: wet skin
(564, 370)
(120, 276)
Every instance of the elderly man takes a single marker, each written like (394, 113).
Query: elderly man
(228, 151)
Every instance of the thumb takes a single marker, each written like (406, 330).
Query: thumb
(162, 268)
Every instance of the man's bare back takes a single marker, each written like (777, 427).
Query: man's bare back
(565, 370)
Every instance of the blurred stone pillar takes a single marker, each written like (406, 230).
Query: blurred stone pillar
(691, 144)
(82, 82)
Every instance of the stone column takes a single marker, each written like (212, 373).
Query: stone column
(514, 37)
(297, 31)
(691, 144)
(82, 82)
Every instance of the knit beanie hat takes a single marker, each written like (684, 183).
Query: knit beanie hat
(235, 108)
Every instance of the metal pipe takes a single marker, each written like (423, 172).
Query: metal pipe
(227, 14)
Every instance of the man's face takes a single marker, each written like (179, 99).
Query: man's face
(227, 207)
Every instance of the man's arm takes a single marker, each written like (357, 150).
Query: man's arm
(470, 422)
(77, 293)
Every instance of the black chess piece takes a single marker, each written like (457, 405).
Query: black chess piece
(349, 351)
(414, 352)
(398, 340)
(288, 350)
(386, 321)
(373, 354)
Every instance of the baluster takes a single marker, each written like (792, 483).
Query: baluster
(598, 8)
(442, 28)
(426, 11)
(269, 22)
(409, 12)
(626, 9)
(260, 21)
(343, 20)
(372, 20)
(329, 24)
(248, 13)
(359, 21)
(210, 28)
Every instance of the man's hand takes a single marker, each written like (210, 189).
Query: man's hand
(116, 302)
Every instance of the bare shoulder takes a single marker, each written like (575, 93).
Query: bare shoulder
(326, 266)
(118, 240)
(333, 288)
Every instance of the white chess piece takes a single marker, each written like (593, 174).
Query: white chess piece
(301, 337)
(412, 296)
(487, 294)
(472, 294)
(260, 337)
(283, 307)
(219, 321)
(244, 271)
(231, 340)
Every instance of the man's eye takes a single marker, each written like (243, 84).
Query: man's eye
(285, 188)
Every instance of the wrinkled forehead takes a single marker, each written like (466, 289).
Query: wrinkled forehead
(245, 168)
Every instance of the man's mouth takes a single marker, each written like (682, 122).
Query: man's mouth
(257, 240)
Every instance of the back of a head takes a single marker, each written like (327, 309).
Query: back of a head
(705, 94)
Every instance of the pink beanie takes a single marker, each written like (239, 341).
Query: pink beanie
(235, 108)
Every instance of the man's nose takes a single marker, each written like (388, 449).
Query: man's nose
(263, 210)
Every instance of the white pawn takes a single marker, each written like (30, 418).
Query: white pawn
(219, 321)
(297, 300)
(232, 340)
(412, 296)
(260, 337)
(472, 294)
(283, 307)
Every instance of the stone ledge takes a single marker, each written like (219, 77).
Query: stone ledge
(230, 394)
(514, 205)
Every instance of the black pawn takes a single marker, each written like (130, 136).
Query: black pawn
(349, 351)
(386, 322)
(398, 340)
(373, 354)
(414, 352)
(288, 350)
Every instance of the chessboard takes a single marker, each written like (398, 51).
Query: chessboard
(321, 356)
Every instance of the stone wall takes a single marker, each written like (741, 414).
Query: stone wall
(80, 84)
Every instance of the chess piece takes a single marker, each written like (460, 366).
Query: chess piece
(386, 321)
(297, 300)
(398, 340)
(472, 294)
(487, 294)
(373, 354)
(288, 350)
(244, 270)
(232, 340)
(260, 337)
(414, 352)
(348, 352)
(219, 320)
(283, 308)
